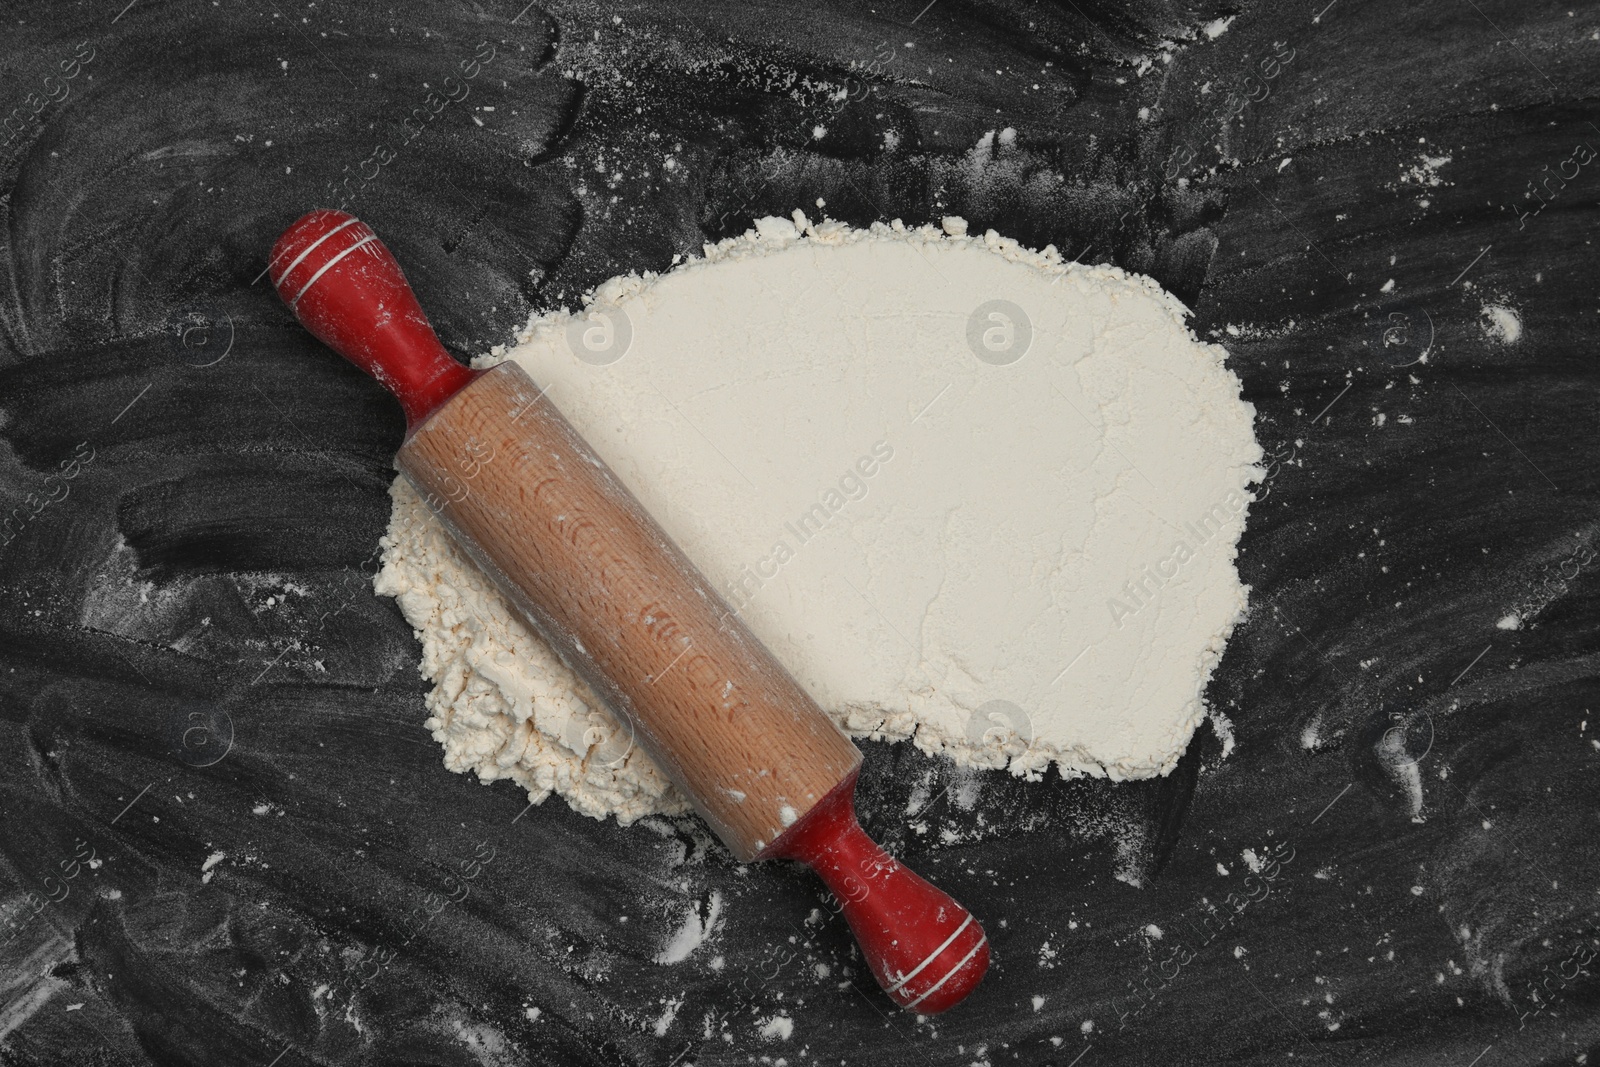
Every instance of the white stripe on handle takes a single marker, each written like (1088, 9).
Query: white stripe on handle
(329, 266)
(310, 248)
(934, 988)
(892, 990)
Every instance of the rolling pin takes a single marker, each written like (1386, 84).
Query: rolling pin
(567, 543)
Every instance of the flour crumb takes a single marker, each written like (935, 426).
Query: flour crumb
(668, 1016)
(1224, 728)
(1425, 171)
(1501, 324)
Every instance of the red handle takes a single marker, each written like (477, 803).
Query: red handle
(925, 950)
(345, 286)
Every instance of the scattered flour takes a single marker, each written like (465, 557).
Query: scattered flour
(692, 933)
(668, 1016)
(970, 494)
(1501, 324)
(1425, 171)
(1224, 728)
(777, 1028)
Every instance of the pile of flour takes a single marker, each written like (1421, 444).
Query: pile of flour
(969, 494)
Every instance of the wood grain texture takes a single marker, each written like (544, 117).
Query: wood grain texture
(538, 510)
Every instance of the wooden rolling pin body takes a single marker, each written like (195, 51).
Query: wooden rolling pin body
(538, 510)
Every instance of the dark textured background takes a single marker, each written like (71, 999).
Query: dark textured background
(1429, 776)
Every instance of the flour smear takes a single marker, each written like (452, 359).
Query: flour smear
(971, 495)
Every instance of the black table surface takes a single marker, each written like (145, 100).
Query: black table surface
(227, 837)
